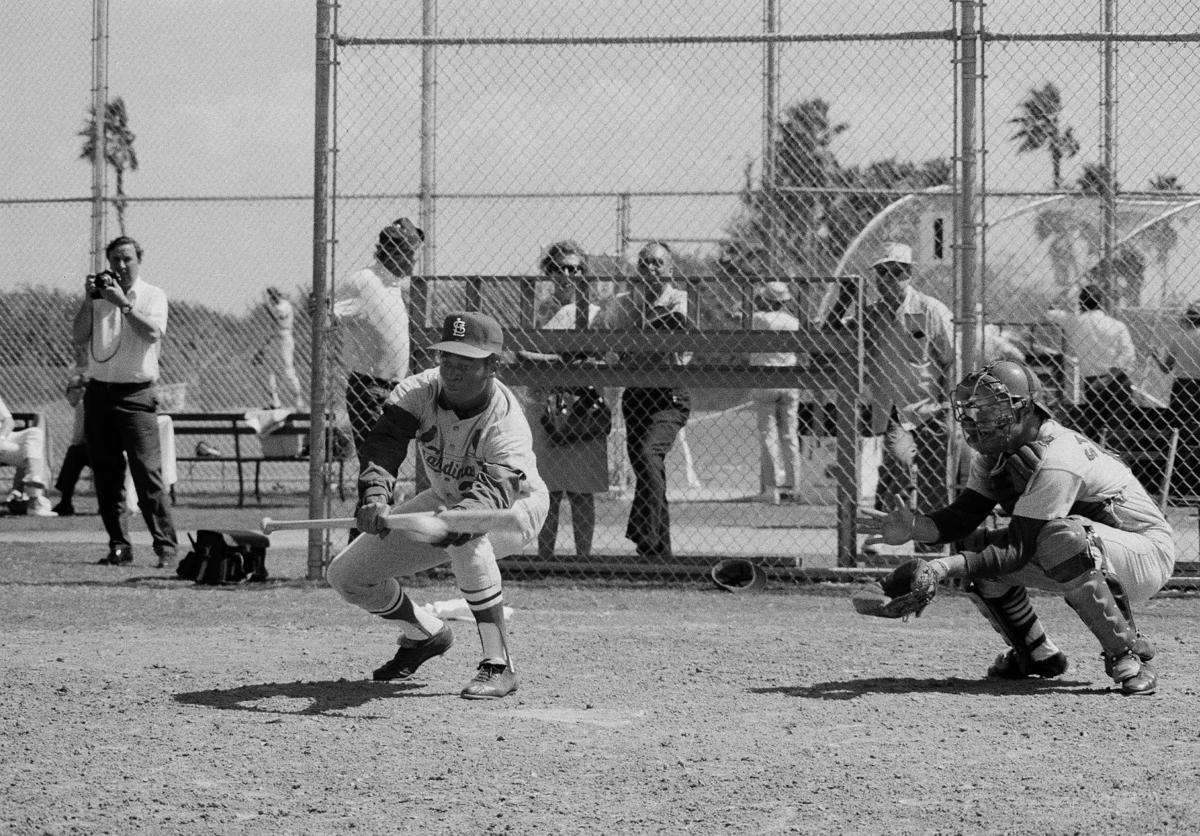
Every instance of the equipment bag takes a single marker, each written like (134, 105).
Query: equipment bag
(226, 557)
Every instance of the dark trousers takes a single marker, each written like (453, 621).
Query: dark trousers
(914, 466)
(365, 397)
(1185, 414)
(119, 421)
(74, 461)
(1107, 402)
(653, 419)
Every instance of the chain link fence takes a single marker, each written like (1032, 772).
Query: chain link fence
(778, 148)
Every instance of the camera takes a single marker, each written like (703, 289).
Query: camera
(101, 281)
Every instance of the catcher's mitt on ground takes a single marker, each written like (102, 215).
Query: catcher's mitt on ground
(737, 574)
(906, 591)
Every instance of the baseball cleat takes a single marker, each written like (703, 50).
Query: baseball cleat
(492, 681)
(1014, 665)
(1132, 673)
(412, 654)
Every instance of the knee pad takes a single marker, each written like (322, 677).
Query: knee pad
(1064, 550)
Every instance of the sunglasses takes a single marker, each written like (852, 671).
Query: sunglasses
(652, 262)
(570, 269)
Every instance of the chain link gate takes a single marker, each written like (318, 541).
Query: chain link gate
(772, 140)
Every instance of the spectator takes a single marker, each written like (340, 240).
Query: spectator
(653, 416)
(574, 471)
(76, 457)
(26, 451)
(122, 320)
(777, 410)
(370, 309)
(909, 340)
(1104, 355)
(279, 353)
(471, 430)
(1180, 358)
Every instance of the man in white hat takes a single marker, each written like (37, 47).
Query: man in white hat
(777, 410)
(908, 370)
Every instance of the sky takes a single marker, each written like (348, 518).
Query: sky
(220, 95)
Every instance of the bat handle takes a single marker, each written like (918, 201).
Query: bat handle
(268, 525)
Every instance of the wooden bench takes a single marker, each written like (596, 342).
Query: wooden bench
(230, 428)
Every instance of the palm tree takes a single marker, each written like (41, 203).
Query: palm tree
(118, 147)
(1039, 126)
(1162, 235)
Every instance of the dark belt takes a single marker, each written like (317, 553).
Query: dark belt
(121, 388)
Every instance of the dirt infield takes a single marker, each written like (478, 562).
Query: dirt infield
(138, 703)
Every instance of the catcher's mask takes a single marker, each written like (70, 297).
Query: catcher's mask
(738, 575)
(989, 401)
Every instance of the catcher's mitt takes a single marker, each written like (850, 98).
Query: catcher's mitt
(906, 591)
(1022, 464)
(738, 575)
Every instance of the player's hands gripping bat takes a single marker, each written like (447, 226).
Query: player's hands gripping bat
(906, 590)
(371, 515)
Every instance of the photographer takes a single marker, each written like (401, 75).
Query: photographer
(122, 321)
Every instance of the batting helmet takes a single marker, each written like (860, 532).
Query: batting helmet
(737, 574)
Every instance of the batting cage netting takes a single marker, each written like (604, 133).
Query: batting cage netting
(683, 213)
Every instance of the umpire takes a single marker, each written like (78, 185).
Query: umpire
(122, 321)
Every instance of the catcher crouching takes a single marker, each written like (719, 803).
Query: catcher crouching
(1082, 526)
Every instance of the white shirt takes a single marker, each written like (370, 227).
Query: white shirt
(1099, 342)
(284, 316)
(372, 314)
(118, 354)
(774, 321)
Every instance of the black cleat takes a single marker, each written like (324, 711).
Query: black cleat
(119, 556)
(412, 654)
(1133, 673)
(1014, 665)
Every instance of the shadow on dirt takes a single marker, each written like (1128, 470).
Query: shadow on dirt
(331, 697)
(849, 689)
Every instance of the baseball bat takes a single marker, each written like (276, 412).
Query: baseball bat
(470, 522)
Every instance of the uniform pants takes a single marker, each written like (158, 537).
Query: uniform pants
(914, 465)
(120, 418)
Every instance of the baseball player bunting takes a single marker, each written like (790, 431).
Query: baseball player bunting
(476, 444)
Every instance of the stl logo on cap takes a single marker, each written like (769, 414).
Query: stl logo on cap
(470, 334)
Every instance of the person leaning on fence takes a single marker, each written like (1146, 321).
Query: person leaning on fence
(654, 415)
(475, 440)
(25, 450)
(1082, 527)
(1180, 358)
(1103, 349)
(122, 320)
(777, 410)
(909, 357)
(573, 469)
(279, 352)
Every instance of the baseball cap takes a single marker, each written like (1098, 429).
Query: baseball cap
(775, 292)
(470, 334)
(894, 253)
(402, 230)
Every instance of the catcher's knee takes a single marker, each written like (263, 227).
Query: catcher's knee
(1063, 550)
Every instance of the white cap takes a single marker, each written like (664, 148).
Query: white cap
(775, 292)
(894, 253)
